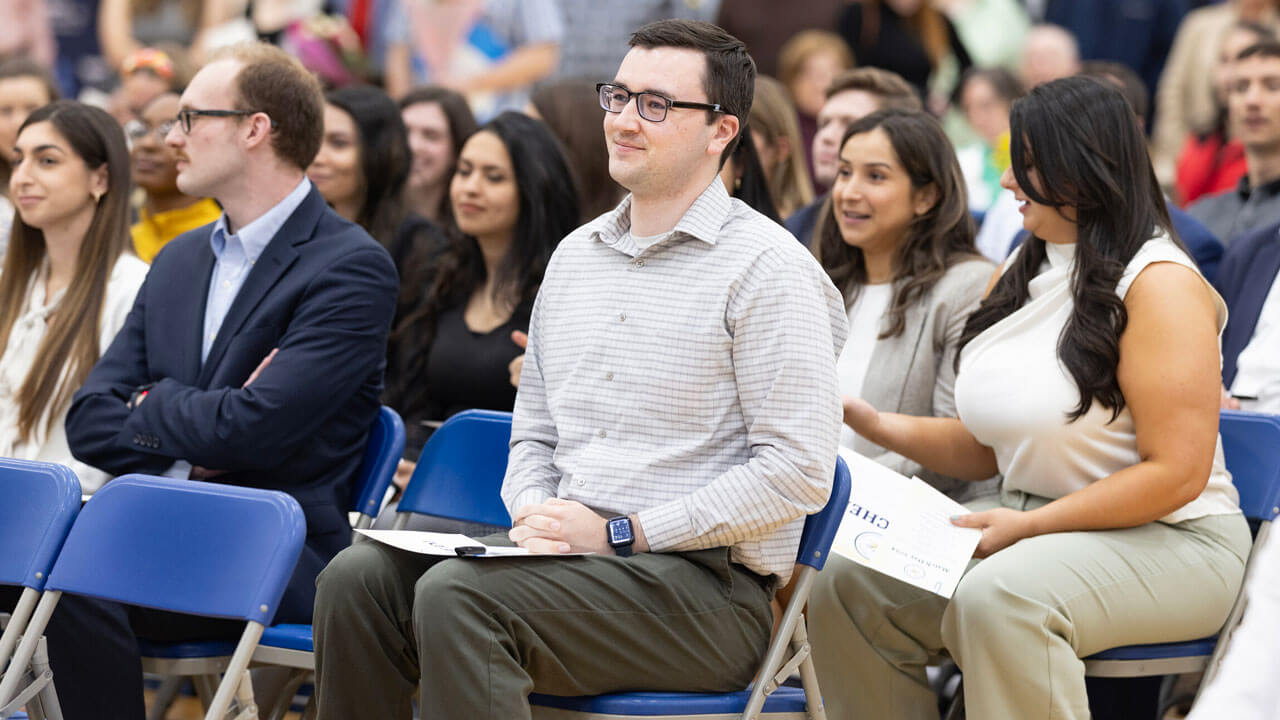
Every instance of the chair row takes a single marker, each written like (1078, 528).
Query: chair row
(121, 548)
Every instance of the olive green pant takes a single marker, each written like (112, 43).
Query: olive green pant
(1020, 620)
(478, 635)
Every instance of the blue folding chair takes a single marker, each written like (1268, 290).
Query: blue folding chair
(1251, 449)
(381, 455)
(42, 500)
(182, 546)
(458, 476)
(204, 660)
(788, 652)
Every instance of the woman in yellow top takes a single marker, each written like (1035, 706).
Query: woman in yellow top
(166, 212)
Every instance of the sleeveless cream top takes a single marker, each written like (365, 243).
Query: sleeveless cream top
(1013, 394)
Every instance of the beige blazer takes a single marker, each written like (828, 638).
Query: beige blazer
(913, 373)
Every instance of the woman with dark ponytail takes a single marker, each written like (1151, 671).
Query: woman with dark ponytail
(1089, 379)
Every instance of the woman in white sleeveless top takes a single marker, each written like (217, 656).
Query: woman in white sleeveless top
(1089, 379)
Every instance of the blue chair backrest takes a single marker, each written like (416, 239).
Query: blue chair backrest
(381, 455)
(1251, 448)
(820, 527)
(459, 474)
(186, 546)
(40, 501)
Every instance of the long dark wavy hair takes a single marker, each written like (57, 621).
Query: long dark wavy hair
(1083, 140)
(548, 212)
(384, 157)
(935, 240)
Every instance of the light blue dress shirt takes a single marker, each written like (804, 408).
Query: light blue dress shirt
(236, 255)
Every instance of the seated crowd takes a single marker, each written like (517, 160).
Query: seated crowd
(691, 284)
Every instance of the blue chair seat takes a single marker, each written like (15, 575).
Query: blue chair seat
(785, 699)
(289, 637)
(1159, 651)
(185, 650)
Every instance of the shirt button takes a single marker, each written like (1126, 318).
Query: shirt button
(639, 262)
(604, 434)
(608, 376)
(581, 482)
(622, 317)
(226, 283)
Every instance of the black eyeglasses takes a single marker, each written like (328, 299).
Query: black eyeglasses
(651, 106)
(186, 116)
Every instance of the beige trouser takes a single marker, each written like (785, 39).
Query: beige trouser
(1020, 620)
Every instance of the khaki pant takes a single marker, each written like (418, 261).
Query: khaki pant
(481, 634)
(1020, 620)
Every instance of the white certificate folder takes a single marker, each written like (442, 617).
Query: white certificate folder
(902, 527)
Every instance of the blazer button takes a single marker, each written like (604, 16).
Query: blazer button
(137, 439)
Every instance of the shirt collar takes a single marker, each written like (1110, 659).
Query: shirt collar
(257, 235)
(1245, 190)
(702, 220)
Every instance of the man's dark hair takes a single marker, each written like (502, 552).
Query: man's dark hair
(730, 78)
(1122, 78)
(1264, 48)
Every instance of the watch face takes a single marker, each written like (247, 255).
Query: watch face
(619, 531)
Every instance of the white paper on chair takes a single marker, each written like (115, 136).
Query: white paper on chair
(448, 544)
(902, 527)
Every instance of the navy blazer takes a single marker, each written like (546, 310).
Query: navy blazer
(323, 292)
(1244, 279)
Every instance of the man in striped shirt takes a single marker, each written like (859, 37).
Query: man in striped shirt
(678, 416)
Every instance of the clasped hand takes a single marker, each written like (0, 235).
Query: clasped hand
(1000, 528)
(559, 526)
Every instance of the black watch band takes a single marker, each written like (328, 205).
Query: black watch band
(620, 535)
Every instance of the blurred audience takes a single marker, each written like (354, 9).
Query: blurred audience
(492, 51)
(595, 33)
(24, 86)
(361, 170)
(852, 95)
(909, 37)
(1253, 108)
(1050, 52)
(145, 75)
(782, 152)
(807, 65)
(513, 199)
(899, 247)
(67, 283)
(127, 26)
(1211, 160)
(768, 29)
(166, 211)
(975, 22)
(439, 121)
(569, 108)
(986, 96)
(27, 31)
(1187, 96)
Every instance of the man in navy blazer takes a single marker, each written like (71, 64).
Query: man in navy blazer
(1244, 279)
(254, 355)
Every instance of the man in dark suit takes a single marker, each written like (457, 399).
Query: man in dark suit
(1245, 280)
(253, 355)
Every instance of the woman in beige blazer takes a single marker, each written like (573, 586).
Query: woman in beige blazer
(899, 246)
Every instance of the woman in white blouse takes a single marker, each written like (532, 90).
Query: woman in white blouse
(899, 246)
(66, 285)
(1089, 379)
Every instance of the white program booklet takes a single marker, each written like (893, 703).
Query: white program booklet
(449, 544)
(902, 527)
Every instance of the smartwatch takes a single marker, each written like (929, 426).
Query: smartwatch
(618, 533)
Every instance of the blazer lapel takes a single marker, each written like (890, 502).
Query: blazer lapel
(892, 360)
(271, 265)
(193, 314)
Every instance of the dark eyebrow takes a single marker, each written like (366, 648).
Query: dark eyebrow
(655, 91)
(41, 148)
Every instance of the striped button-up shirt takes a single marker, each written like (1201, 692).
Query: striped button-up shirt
(691, 382)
